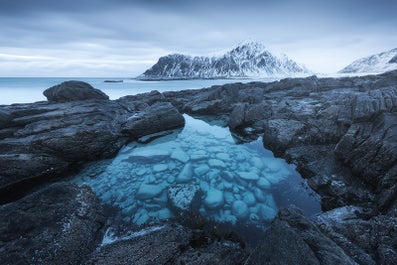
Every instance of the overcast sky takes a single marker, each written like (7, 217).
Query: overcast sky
(122, 38)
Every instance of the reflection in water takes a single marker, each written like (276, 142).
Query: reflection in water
(236, 183)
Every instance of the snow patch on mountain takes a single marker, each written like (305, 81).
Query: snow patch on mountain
(377, 63)
(247, 60)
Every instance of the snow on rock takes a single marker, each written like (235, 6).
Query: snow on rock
(374, 64)
(247, 60)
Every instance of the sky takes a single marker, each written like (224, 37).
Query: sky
(122, 38)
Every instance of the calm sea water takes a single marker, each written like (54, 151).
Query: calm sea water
(26, 90)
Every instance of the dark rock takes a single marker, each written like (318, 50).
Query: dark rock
(293, 239)
(170, 245)
(393, 60)
(73, 90)
(184, 200)
(370, 148)
(45, 140)
(157, 117)
(60, 224)
(360, 234)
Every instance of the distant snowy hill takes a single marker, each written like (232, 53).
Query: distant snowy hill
(377, 63)
(247, 60)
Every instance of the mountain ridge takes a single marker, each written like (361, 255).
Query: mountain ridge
(251, 59)
(374, 64)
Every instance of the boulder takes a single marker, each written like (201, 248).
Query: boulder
(157, 117)
(73, 90)
(60, 224)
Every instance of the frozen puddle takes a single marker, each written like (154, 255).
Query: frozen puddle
(236, 182)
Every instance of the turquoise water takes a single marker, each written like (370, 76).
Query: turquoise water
(26, 90)
(237, 182)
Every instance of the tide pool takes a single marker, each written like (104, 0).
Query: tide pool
(232, 182)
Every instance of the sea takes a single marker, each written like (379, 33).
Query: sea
(30, 89)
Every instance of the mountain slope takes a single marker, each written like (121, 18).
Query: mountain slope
(248, 60)
(377, 63)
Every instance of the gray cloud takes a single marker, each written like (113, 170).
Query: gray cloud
(120, 37)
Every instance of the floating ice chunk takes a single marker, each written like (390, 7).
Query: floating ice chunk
(229, 198)
(148, 191)
(165, 214)
(141, 172)
(170, 179)
(266, 212)
(199, 155)
(204, 186)
(274, 178)
(216, 163)
(249, 198)
(180, 155)
(263, 183)
(149, 152)
(201, 170)
(260, 195)
(227, 175)
(240, 209)
(160, 168)
(222, 156)
(272, 164)
(141, 217)
(186, 174)
(256, 162)
(248, 175)
(214, 199)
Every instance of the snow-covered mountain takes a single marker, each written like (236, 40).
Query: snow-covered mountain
(247, 60)
(377, 63)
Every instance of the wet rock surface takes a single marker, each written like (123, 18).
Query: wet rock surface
(60, 224)
(45, 139)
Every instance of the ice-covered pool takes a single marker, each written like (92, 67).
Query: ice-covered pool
(237, 182)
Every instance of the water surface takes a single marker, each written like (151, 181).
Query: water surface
(27, 90)
(241, 183)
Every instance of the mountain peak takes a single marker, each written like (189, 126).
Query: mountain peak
(376, 63)
(249, 59)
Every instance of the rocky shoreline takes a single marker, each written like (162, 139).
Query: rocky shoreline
(341, 133)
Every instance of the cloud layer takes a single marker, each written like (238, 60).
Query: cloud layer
(123, 38)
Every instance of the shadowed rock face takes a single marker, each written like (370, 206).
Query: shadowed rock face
(73, 90)
(45, 140)
(60, 224)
